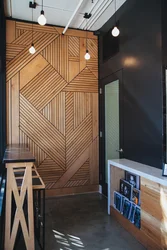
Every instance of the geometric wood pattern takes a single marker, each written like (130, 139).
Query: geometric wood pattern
(52, 102)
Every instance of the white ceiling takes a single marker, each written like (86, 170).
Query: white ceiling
(58, 12)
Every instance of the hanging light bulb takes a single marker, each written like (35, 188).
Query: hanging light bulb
(32, 49)
(87, 55)
(42, 18)
(115, 31)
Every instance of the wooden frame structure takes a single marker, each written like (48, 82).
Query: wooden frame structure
(19, 159)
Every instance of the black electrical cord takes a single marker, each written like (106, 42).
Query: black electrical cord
(115, 11)
(32, 28)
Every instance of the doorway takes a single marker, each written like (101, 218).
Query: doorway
(111, 124)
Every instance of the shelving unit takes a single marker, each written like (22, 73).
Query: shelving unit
(153, 187)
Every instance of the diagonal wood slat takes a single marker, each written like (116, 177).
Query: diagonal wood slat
(84, 82)
(44, 87)
(12, 50)
(92, 47)
(52, 53)
(55, 112)
(75, 147)
(19, 32)
(82, 106)
(36, 28)
(74, 46)
(50, 171)
(37, 152)
(92, 64)
(24, 57)
(42, 132)
(72, 170)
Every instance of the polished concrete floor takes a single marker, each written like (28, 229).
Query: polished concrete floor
(81, 222)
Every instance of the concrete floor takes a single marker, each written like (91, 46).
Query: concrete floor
(81, 222)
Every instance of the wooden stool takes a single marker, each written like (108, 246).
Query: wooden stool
(19, 159)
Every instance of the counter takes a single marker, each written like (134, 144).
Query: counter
(153, 186)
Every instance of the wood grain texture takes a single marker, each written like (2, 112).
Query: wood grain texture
(54, 96)
(86, 81)
(10, 31)
(32, 69)
(144, 239)
(154, 211)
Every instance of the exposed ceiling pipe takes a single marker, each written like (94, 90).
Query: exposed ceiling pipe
(73, 15)
(98, 14)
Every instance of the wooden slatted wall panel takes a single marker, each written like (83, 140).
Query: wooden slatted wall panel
(52, 103)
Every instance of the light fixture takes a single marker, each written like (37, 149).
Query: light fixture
(42, 18)
(87, 55)
(115, 31)
(32, 48)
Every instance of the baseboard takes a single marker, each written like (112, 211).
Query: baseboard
(144, 239)
(71, 190)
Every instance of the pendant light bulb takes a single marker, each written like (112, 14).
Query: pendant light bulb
(42, 19)
(32, 49)
(87, 55)
(115, 31)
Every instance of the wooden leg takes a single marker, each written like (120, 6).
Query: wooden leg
(28, 230)
(8, 209)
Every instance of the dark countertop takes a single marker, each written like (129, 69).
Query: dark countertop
(17, 153)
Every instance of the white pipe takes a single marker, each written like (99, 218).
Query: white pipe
(73, 15)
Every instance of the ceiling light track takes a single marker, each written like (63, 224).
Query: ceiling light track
(91, 11)
(32, 5)
(99, 13)
(98, 9)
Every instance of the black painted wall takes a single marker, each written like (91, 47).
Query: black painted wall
(140, 62)
(2, 84)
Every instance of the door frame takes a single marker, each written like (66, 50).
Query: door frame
(118, 75)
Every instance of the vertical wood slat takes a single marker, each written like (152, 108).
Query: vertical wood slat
(15, 108)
